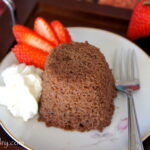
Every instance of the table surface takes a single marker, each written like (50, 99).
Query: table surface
(71, 14)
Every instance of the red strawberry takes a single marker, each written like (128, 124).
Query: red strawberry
(61, 32)
(140, 21)
(44, 29)
(30, 55)
(27, 36)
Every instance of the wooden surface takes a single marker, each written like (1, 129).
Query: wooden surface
(71, 13)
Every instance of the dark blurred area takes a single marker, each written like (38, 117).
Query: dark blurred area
(1, 7)
(116, 3)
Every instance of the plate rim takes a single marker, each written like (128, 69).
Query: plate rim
(21, 143)
(110, 32)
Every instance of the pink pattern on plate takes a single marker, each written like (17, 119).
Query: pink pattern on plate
(123, 124)
(100, 135)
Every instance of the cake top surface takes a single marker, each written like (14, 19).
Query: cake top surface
(76, 59)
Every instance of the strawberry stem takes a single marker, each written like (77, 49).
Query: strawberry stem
(146, 2)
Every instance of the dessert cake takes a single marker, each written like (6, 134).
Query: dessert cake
(78, 88)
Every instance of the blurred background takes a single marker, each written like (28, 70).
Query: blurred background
(116, 3)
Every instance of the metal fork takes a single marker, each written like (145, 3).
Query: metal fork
(11, 6)
(126, 74)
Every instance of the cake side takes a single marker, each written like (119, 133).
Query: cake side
(78, 88)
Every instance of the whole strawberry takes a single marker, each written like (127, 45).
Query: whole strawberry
(139, 25)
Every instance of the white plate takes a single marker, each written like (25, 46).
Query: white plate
(36, 135)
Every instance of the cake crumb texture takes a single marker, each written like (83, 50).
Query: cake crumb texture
(78, 88)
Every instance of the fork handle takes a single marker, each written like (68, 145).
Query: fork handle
(11, 6)
(134, 141)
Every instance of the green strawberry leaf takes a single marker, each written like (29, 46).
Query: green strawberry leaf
(146, 2)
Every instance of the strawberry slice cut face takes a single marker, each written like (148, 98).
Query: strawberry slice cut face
(45, 30)
(61, 32)
(27, 36)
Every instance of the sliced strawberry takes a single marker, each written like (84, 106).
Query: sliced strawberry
(45, 30)
(30, 55)
(27, 36)
(61, 32)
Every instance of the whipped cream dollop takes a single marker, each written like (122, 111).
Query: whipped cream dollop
(22, 90)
